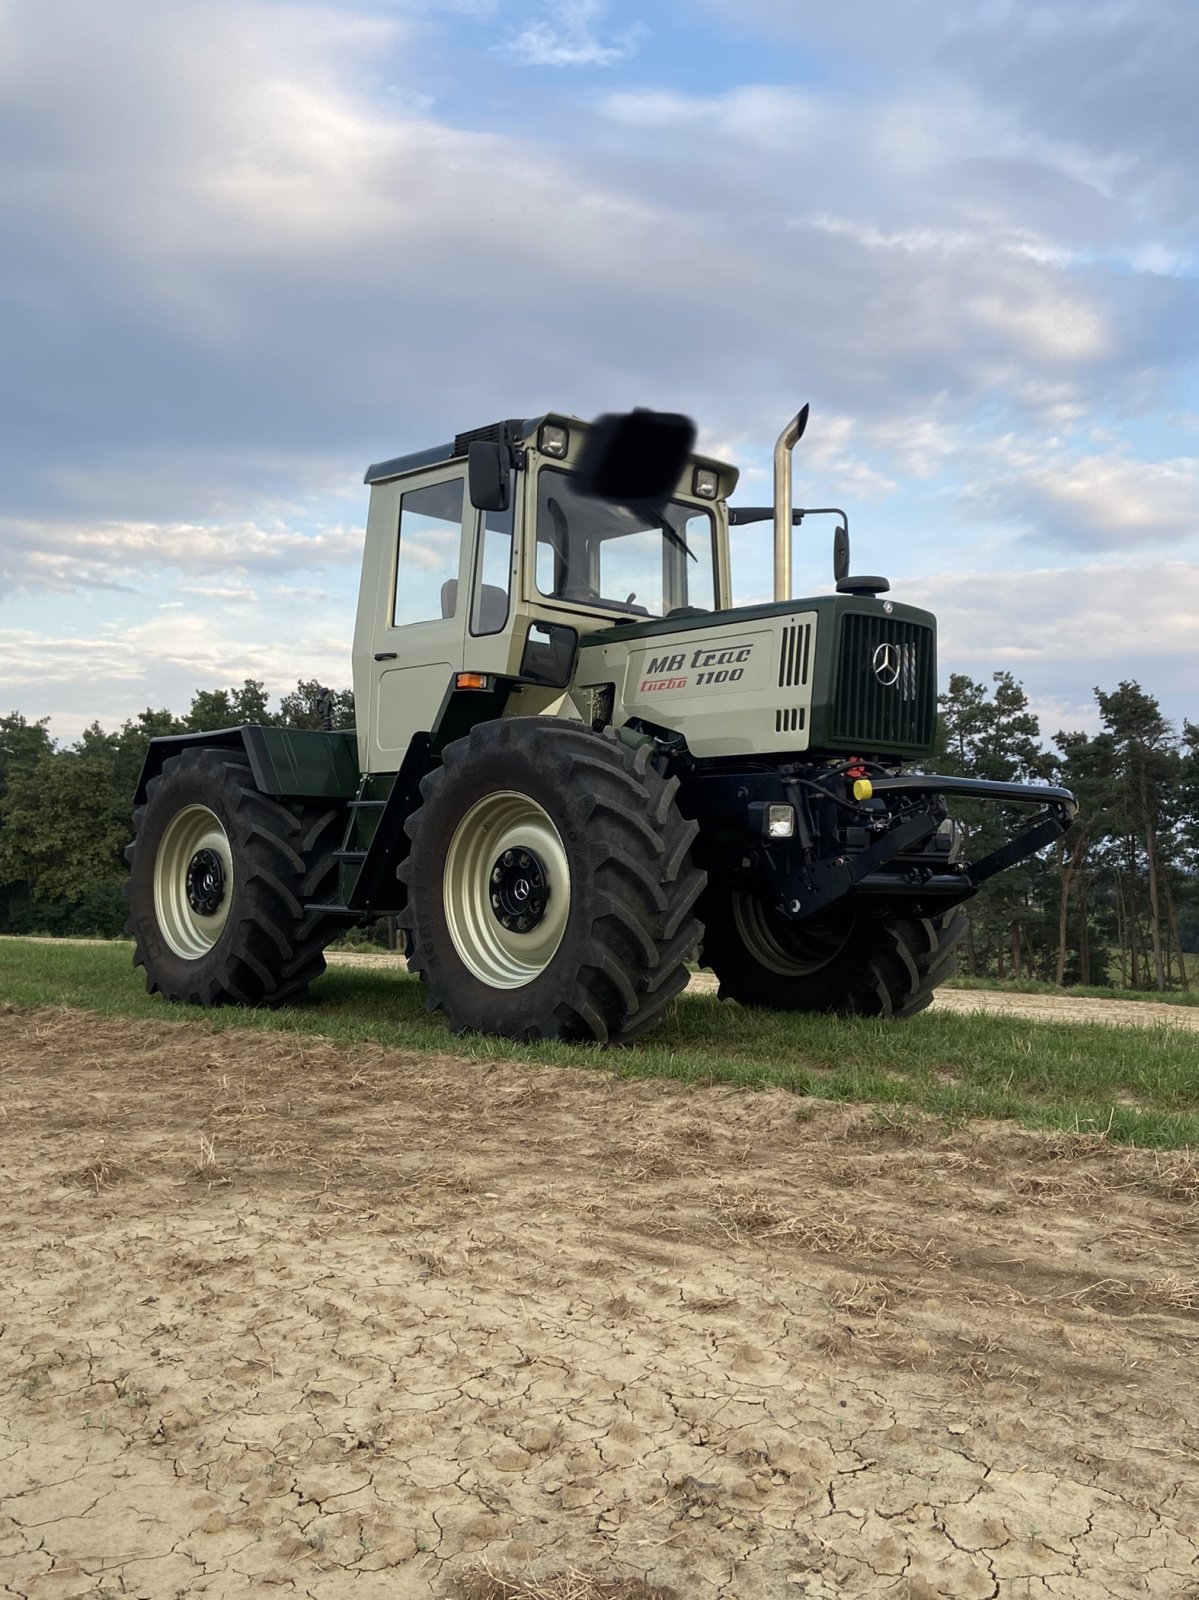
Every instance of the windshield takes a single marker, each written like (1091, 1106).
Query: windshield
(596, 553)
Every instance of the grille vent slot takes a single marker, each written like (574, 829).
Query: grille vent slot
(795, 652)
(790, 719)
(494, 432)
(873, 712)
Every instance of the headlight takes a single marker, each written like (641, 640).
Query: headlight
(553, 439)
(706, 483)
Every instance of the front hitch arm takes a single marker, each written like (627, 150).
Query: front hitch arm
(1050, 826)
(1055, 820)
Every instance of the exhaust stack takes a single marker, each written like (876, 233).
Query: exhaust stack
(787, 440)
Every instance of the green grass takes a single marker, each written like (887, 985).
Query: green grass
(1139, 1086)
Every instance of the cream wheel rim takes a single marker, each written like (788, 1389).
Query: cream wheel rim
(506, 854)
(193, 882)
(792, 950)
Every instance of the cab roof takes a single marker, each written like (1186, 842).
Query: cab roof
(519, 431)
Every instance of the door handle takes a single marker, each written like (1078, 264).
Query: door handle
(385, 655)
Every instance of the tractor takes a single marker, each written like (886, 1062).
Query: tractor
(578, 769)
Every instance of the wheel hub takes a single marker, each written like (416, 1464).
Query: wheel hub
(205, 883)
(519, 890)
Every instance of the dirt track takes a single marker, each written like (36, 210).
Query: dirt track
(281, 1317)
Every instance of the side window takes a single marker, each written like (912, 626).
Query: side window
(546, 577)
(430, 538)
(493, 582)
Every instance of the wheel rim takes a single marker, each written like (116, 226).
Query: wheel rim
(193, 882)
(499, 952)
(792, 949)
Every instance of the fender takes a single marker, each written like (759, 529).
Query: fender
(286, 763)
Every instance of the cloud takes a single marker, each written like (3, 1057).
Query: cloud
(1094, 617)
(762, 115)
(225, 242)
(161, 660)
(1099, 502)
(1101, 93)
(231, 240)
(1055, 326)
(568, 38)
(1063, 630)
(900, 261)
(69, 557)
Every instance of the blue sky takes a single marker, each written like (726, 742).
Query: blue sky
(247, 247)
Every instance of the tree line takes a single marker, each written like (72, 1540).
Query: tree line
(1116, 902)
(65, 809)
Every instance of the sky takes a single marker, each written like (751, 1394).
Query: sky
(248, 247)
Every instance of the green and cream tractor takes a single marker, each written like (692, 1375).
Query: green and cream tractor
(579, 769)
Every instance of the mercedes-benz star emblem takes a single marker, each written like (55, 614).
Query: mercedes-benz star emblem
(885, 662)
(521, 888)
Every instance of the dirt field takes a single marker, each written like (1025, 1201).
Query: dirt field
(277, 1316)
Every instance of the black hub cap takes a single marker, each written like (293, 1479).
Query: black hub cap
(205, 882)
(519, 890)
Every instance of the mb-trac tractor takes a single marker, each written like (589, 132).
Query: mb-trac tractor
(578, 767)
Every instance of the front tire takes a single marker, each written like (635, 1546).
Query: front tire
(551, 891)
(219, 879)
(850, 960)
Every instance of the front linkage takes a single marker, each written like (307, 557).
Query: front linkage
(886, 837)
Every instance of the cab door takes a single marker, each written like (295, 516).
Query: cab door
(419, 612)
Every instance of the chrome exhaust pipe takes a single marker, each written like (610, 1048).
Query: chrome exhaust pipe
(787, 440)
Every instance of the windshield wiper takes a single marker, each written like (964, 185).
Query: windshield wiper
(675, 537)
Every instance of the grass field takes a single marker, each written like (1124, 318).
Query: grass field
(1134, 1086)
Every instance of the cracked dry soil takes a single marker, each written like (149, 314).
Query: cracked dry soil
(279, 1316)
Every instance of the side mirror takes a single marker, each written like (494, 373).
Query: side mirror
(549, 654)
(487, 475)
(636, 458)
(840, 553)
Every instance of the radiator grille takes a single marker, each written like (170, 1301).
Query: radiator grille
(886, 682)
(795, 650)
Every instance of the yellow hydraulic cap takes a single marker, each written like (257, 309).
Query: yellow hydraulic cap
(863, 789)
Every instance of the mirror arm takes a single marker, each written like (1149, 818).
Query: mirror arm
(739, 515)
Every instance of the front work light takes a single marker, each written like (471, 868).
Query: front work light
(553, 440)
(705, 483)
(780, 821)
(773, 820)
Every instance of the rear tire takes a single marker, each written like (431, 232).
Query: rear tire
(849, 960)
(219, 879)
(551, 891)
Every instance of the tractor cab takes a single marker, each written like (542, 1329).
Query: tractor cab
(491, 556)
